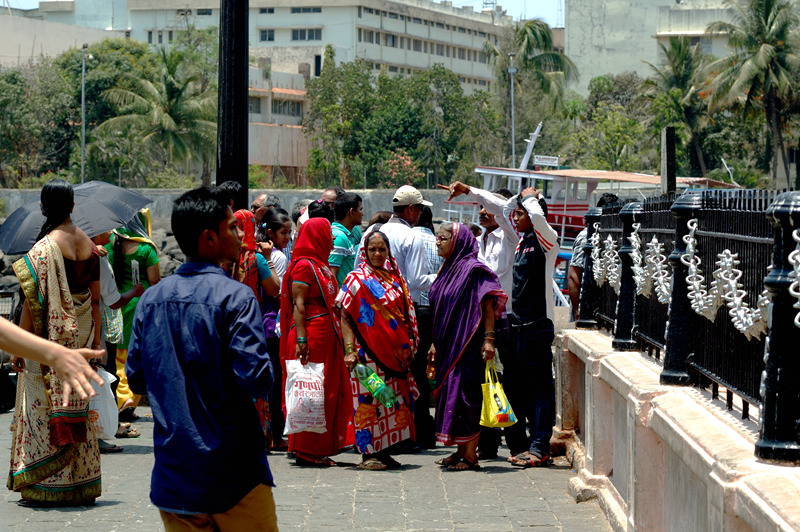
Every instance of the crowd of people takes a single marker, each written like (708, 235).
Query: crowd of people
(209, 345)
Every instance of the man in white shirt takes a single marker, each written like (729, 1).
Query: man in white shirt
(408, 250)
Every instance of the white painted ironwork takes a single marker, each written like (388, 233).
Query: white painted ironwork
(794, 288)
(644, 285)
(658, 271)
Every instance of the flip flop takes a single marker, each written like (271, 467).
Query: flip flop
(522, 457)
(128, 433)
(372, 464)
(107, 448)
(531, 461)
(462, 460)
(448, 460)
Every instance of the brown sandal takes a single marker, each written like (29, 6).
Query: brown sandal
(469, 465)
(372, 464)
(447, 461)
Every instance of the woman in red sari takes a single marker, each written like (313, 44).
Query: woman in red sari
(379, 327)
(311, 333)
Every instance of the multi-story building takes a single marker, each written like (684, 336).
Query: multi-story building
(402, 36)
(616, 36)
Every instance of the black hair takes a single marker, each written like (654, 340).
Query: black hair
(297, 209)
(231, 189)
(507, 194)
(339, 190)
(426, 218)
(273, 220)
(475, 229)
(380, 217)
(56, 201)
(320, 209)
(398, 209)
(272, 200)
(385, 238)
(607, 199)
(194, 212)
(343, 204)
(542, 204)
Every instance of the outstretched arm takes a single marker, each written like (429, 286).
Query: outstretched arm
(71, 365)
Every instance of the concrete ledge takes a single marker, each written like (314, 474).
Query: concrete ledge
(656, 457)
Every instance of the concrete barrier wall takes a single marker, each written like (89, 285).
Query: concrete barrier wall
(374, 200)
(662, 457)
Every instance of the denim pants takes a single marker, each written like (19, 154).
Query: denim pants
(530, 388)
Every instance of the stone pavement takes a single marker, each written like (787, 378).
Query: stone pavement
(421, 496)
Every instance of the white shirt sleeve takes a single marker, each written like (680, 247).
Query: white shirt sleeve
(547, 236)
(108, 287)
(499, 208)
(279, 261)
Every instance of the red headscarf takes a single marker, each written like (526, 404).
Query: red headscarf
(247, 270)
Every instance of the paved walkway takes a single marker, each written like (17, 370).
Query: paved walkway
(419, 497)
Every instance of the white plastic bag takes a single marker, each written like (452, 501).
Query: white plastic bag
(103, 407)
(305, 397)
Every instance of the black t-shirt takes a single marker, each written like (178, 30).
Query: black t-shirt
(529, 303)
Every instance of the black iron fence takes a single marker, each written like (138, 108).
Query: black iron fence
(695, 278)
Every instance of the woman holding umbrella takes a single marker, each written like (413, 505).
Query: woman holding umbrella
(55, 459)
(134, 258)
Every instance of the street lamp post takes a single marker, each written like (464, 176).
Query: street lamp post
(83, 110)
(511, 71)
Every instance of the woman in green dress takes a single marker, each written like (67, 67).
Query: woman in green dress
(134, 257)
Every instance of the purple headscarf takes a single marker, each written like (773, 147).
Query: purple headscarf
(456, 297)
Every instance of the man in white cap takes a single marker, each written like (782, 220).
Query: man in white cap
(408, 250)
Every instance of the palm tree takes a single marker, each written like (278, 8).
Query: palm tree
(677, 79)
(760, 69)
(532, 46)
(169, 112)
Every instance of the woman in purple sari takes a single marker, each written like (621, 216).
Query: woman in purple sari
(466, 298)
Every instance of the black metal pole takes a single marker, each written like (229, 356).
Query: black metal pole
(780, 387)
(681, 316)
(234, 57)
(590, 292)
(626, 302)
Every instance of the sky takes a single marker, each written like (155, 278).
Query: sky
(546, 9)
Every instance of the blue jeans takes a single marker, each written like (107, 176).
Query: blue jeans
(530, 388)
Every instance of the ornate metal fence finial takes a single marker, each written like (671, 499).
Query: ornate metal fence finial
(780, 386)
(590, 292)
(626, 302)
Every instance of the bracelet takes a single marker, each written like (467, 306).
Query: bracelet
(488, 334)
(302, 340)
(350, 346)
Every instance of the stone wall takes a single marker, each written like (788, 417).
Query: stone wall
(662, 457)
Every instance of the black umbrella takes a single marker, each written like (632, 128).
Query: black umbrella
(99, 207)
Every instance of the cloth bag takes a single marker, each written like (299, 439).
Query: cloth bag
(305, 397)
(103, 407)
(496, 410)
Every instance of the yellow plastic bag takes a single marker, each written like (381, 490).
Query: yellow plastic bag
(496, 410)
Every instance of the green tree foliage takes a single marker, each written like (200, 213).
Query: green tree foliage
(357, 122)
(610, 141)
(761, 71)
(167, 112)
(673, 89)
(35, 123)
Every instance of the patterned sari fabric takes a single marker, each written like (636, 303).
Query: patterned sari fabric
(456, 296)
(54, 452)
(323, 332)
(385, 325)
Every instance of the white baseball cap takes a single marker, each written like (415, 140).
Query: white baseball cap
(408, 195)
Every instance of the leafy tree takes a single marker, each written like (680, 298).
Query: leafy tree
(673, 89)
(760, 72)
(609, 141)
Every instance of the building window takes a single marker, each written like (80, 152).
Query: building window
(440, 50)
(481, 34)
(287, 108)
(203, 12)
(266, 35)
(149, 37)
(390, 40)
(184, 12)
(462, 54)
(369, 10)
(416, 20)
(169, 36)
(306, 10)
(266, 10)
(481, 57)
(402, 42)
(160, 38)
(254, 105)
(447, 51)
(127, 35)
(461, 30)
(425, 46)
(417, 45)
(393, 69)
(310, 34)
(369, 36)
(482, 82)
(439, 25)
(392, 15)
(359, 11)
